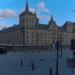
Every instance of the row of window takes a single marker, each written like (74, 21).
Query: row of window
(39, 33)
(39, 37)
(45, 41)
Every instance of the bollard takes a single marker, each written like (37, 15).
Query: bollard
(50, 71)
(32, 66)
(21, 62)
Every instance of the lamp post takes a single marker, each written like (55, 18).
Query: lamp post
(53, 42)
(23, 41)
(61, 45)
(57, 47)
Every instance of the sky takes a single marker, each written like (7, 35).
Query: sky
(61, 10)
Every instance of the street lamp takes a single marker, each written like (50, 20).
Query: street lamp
(57, 47)
(53, 42)
(23, 33)
(61, 45)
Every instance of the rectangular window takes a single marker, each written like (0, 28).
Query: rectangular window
(32, 37)
(27, 37)
(27, 32)
(32, 32)
(32, 40)
(41, 41)
(27, 41)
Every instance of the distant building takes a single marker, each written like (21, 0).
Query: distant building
(30, 32)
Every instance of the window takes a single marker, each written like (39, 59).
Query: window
(32, 32)
(32, 37)
(27, 32)
(27, 41)
(41, 41)
(44, 40)
(32, 40)
(27, 37)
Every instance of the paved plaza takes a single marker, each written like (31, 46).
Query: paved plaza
(43, 61)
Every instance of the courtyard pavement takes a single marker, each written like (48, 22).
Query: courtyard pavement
(43, 61)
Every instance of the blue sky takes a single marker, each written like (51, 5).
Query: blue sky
(62, 10)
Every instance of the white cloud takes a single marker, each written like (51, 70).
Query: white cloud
(41, 7)
(8, 13)
(32, 10)
(1, 27)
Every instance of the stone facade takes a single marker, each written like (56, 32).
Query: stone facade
(30, 32)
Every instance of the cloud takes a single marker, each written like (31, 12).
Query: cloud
(41, 7)
(8, 13)
(32, 10)
(1, 27)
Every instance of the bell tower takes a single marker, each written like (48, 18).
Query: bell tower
(27, 18)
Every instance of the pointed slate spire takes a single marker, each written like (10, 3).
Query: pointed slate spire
(27, 6)
(52, 17)
(52, 22)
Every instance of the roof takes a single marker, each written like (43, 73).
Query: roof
(39, 26)
(69, 23)
(27, 12)
(42, 26)
(10, 28)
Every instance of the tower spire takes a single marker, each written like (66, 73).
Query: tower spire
(27, 7)
(51, 17)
